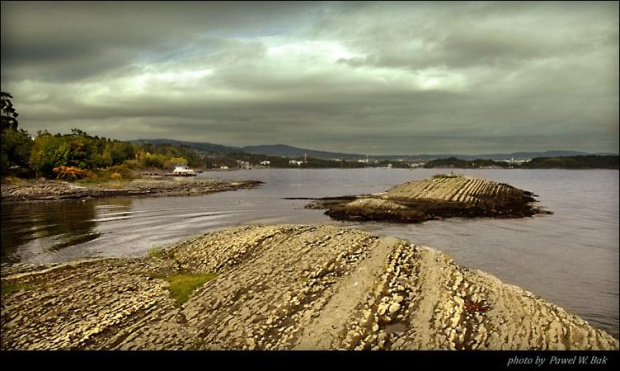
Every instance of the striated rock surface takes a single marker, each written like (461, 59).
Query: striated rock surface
(283, 287)
(53, 190)
(438, 197)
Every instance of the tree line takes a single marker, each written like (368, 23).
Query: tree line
(560, 162)
(574, 162)
(78, 154)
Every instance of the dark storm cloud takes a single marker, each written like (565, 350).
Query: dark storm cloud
(51, 35)
(361, 77)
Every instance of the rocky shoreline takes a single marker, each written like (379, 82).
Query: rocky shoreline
(442, 196)
(52, 190)
(282, 287)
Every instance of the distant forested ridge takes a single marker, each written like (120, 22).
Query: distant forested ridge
(457, 163)
(560, 162)
(574, 162)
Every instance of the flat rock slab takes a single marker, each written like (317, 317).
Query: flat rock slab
(283, 287)
(53, 190)
(442, 196)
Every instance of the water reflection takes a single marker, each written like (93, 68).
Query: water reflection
(54, 226)
(14, 234)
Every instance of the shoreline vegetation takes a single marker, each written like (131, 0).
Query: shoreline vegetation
(282, 287)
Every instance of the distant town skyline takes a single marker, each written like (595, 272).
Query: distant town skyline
(362, 77)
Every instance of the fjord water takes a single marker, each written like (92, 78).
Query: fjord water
(569, 258)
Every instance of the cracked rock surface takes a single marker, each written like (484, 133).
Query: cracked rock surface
(433, 198)
(54, 190)
(283, 287)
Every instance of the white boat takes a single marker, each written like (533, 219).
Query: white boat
(182, 170)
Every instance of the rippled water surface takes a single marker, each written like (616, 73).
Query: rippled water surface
(569, 258)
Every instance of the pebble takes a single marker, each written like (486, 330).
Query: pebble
(394, 307)
(382, 308)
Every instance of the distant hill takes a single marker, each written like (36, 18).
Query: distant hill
(499, 156)
(574, 162)
(525, 155)
(290, 151)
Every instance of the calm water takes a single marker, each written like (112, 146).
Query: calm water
(570, 257)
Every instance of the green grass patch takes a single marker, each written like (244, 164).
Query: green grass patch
(198, 343)
(183, 285)
(7, 289)
(156, 252)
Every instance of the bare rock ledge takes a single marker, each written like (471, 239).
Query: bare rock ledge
(283, 287)
(441, 196)
(55, 190)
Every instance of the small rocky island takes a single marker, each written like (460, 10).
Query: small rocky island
(442, 196)
(281, 287)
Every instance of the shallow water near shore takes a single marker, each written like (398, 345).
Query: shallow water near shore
(569, 258)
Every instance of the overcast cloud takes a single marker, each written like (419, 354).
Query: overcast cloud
(374, 78)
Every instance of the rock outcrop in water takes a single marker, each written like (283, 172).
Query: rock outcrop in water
(283, 287)
(442, 196)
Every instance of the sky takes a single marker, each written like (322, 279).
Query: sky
(367, 77)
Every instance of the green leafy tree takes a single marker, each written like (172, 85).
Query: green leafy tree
(174, 161)
(121, 151)
(82, 151)
(150, 160)
(15, 144)
(49, 151)
(77, 149)
(15, 152)
(9, 114)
